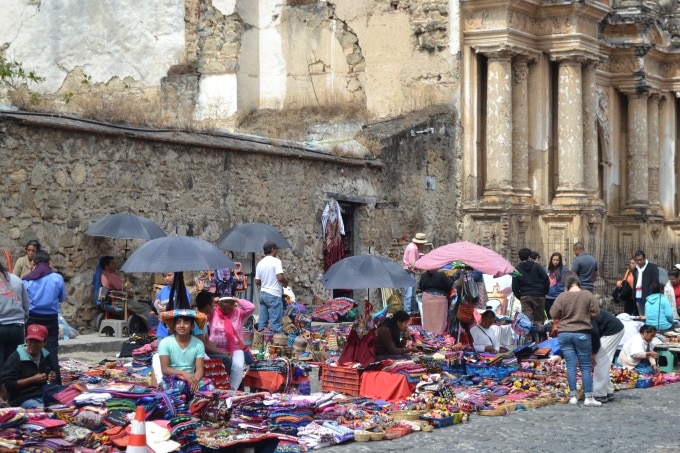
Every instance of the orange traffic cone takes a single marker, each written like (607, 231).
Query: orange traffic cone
(137, 439)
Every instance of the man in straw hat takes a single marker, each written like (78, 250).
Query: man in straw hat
(181, 354)
(412, 253)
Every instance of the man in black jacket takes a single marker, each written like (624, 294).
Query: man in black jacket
(606, 335)
(27, 370)
(531, 287)
(645, 274)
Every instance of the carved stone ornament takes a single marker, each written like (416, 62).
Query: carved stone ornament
(520, 72)
(603, 118)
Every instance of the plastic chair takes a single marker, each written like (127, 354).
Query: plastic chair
(666, 362)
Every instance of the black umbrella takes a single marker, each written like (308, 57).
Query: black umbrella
(125, 226)
(367, 271)
(176, 254)
(250, 238)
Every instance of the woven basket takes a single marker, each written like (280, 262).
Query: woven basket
(362, 436)
(496, 412)
(427, 428)
(378, 435)
(405, 415)
(258, 340)
(280, 339)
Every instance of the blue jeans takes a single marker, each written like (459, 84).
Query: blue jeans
(410, 301)
(271, 310)
(576, 349)
(33, 403)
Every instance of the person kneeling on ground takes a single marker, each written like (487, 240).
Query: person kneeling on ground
(392, 336)
(483, 337)
(181, 354)
(27, 370)
(638, 352)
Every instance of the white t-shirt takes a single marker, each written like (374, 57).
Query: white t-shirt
(481, 338)
(266, 272)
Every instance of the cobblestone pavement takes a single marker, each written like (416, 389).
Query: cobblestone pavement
(637, 420)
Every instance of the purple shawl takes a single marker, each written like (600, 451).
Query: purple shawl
(39, 271)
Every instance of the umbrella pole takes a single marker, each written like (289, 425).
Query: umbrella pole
(252, 277)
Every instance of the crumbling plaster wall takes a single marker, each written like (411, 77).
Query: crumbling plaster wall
(215, 59)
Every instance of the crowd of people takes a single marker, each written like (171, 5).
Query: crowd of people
(211, 326)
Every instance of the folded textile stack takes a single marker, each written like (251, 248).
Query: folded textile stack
(145, 353)
(183, 431)
(97, 399)
(315, 435)
(41, 429)
(123, 404)
(51, 445)
(287, 416)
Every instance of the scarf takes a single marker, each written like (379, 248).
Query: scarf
(39, 271)
(638, 283)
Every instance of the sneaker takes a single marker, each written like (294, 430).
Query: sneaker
(610, 397)
(573, 400)
(601, 399)
(592, 402)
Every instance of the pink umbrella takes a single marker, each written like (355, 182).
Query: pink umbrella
(473, 255)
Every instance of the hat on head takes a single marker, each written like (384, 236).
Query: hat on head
(36, 332)
(677, 266)
(169, 317)
(229, 299)
(420, 238)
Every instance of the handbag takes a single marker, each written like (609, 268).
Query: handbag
(622, 293)
(466, 312)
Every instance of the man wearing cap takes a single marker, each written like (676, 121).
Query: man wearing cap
(411, 254)
(271, 281)
(27, 370)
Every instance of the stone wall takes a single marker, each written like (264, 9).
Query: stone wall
(61, 175)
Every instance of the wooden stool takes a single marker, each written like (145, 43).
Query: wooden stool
(114, 328)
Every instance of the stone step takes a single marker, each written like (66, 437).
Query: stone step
(91, 342)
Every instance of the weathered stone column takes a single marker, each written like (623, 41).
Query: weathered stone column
(570, 130)
(499, 126)
(653, 150)
(591, 164)
(638, 139)
(520, 127)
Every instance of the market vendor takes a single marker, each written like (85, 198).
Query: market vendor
(392, 336)
(484, 338)
(113, 282)
(181, 354)
(27, 370)
(436, 288)
(638, 352)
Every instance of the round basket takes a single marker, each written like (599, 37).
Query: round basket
(496, 412)
(405, 415)
(427, 428)
(362, 436)
(280, 339)
(378, 435)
